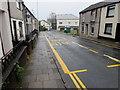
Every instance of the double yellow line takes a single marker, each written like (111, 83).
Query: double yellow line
(114, 59)
(76, 80)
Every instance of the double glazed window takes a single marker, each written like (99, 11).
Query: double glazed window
(60, 22)
(92, 28)
(108, 29)
(82, 27)
(69, 22)
(18, 4)
(76, 23)
(111, 11)
(93, 13)
(21, 29)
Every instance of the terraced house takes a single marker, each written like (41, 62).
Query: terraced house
(18, 33)
(17, 21)
(5, 30)
(101, 20)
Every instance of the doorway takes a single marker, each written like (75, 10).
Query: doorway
(117, 37)
(86, 29)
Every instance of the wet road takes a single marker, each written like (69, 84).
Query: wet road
(100, 63)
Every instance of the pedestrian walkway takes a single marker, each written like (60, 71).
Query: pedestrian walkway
(41, 71)
(103, 42)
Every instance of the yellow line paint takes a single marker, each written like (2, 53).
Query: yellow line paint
(75, 82)
(54, 44)
(80, 45)
(80, 82)
(93, 51)
(64, 67)
(114, 59)
(78, 71)
(59, 43)
(113, 65)
(55, 40)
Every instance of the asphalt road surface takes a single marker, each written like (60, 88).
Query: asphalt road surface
(88, 64)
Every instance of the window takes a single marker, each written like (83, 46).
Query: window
(82, 27)
(108, 29)
(60, 22)
(83, 17)
(110, 11)
(93, 14)
(75, 22)
(92, 27)
(68, 22)
(18, 4)
(20, 29)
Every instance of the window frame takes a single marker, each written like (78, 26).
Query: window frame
(83, 27)
(108, 9)
(21, 29)
(76, 23)
(60, 22)
(18, 5)
(69, 22)
(108, 24)
(92, 28)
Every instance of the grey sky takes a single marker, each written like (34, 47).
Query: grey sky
(45, 8)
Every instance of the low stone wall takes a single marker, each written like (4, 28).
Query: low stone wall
(11, 81)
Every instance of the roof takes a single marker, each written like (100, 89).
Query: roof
(100, 4)
(66, 17)
(29, 10)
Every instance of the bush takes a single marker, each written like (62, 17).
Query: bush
(19, 72)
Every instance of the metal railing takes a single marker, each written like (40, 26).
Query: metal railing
(30, 36)
(8, 57)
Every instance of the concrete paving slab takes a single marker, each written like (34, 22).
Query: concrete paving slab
(41, 71)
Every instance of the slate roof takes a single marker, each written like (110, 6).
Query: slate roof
(66, 17)
(100, 4)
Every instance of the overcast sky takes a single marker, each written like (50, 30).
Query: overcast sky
(45, 7)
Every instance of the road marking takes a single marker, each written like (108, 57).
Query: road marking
(78, 71)
(113, 65)
(80, 82)
(59, 43)
(54, 44)
(80, 45)
(55, 40)
(64, 67)
(93, 51)
(114, 59)
(74, 81)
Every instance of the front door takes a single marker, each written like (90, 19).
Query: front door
(117, 37)
(86, 29)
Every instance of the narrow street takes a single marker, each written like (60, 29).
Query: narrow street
(88, 65)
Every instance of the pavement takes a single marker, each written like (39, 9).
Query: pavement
(41, 71)
(103, 41)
